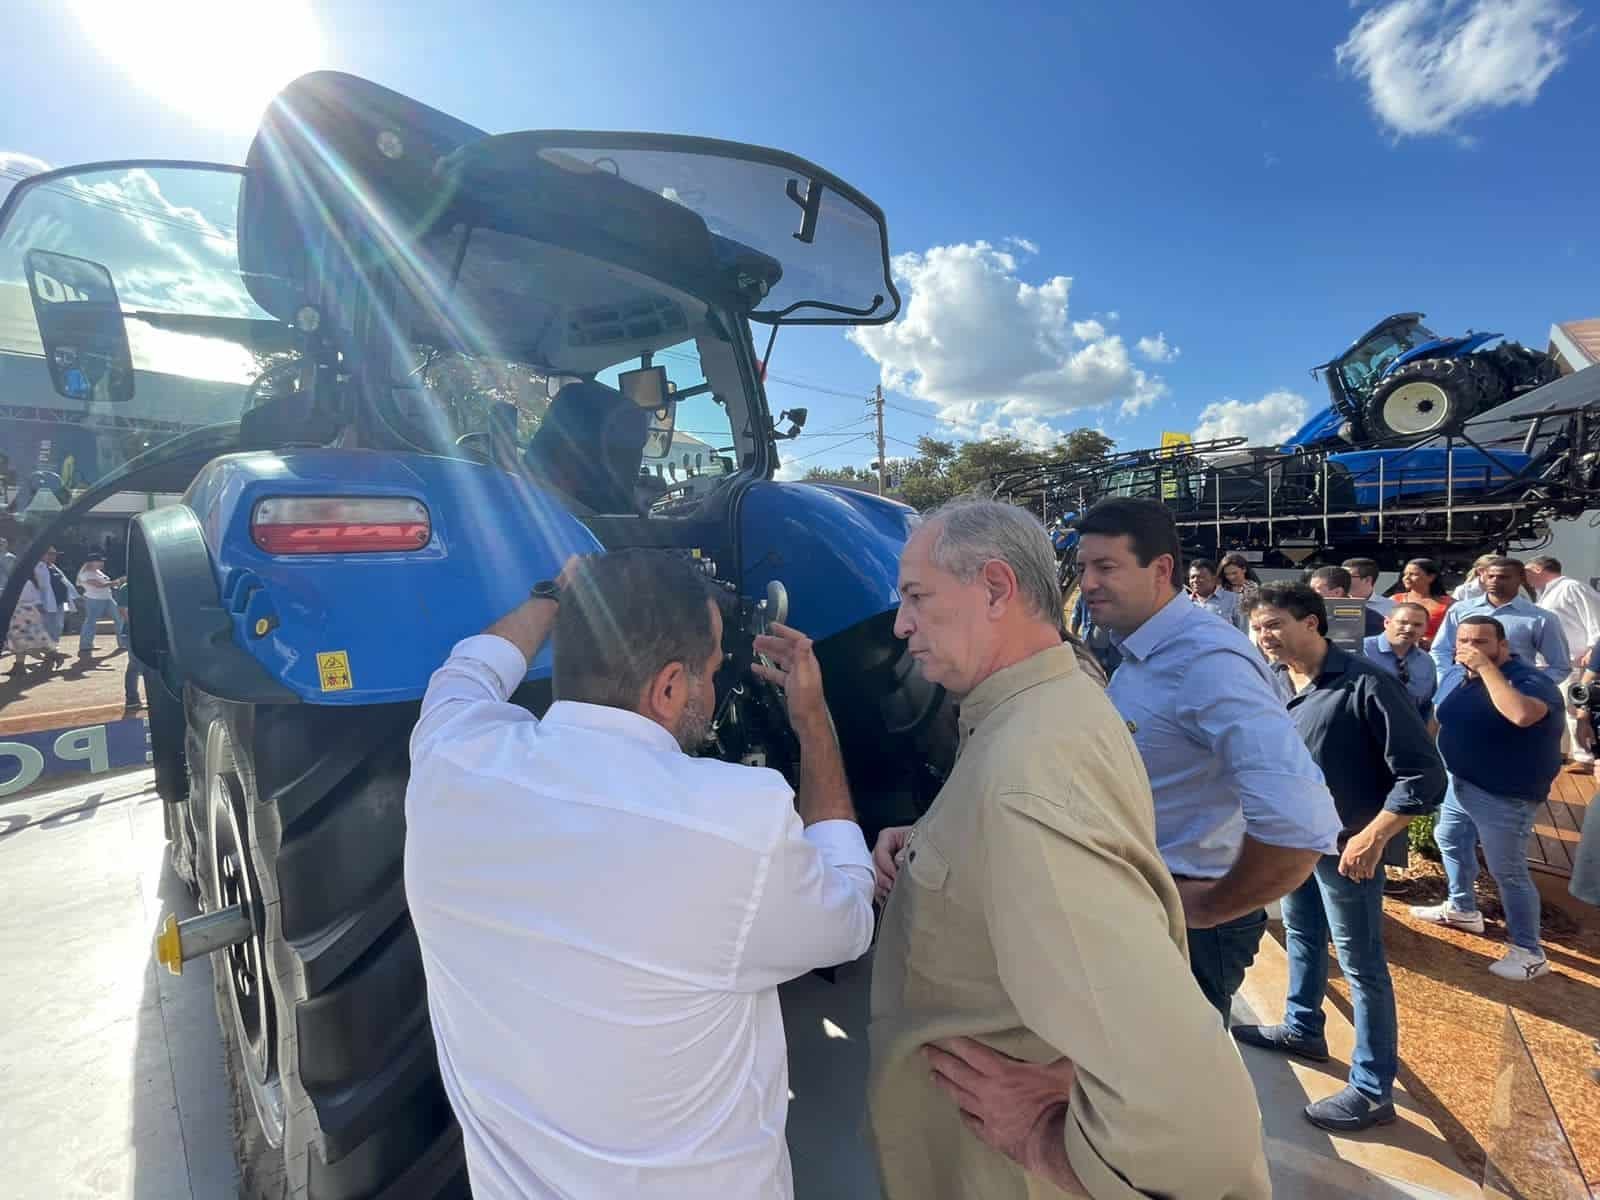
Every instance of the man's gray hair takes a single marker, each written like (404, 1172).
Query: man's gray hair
(974, 531)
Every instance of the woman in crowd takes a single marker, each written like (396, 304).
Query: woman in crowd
(28, 633)
(1239, 577)
(1471, 587)
(1419, 584)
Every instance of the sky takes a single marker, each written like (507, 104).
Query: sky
(1139, 218)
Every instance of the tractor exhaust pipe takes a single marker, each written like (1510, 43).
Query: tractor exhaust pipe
(180, 941)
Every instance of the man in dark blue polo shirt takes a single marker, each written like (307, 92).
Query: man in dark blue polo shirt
(1381, 766)
(1501, 721)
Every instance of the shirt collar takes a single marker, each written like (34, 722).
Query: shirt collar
(1054, 663)
(1334, 666)
(601, 718)
(1518, 603)
(1168, 619)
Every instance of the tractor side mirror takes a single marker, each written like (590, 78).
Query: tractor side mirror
(80, 323)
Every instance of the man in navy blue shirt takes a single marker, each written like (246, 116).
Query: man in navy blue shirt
(1501, 721)
(1381, 766)
(1398, 651)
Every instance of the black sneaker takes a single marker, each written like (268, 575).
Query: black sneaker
(1350, 1111)
(1282, 1040)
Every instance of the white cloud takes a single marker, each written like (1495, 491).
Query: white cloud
(1022, 244)
(1429, 63)
(791, 470)
(993, 352)
(1263, 422)
(15, 167)
(1156, 348)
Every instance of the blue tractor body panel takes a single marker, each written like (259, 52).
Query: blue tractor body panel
(394, 616)
(1440, 348)
(1322, 428)
(836, 551)
(1408, 477)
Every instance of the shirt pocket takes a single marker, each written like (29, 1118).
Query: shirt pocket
(926, 865)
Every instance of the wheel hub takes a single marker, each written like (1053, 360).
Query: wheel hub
(1416, 407)
(249, 984)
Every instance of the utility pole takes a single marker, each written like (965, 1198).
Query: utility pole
(883, 467)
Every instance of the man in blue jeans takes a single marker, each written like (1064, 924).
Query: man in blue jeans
(1500, 727)
(1368, 737)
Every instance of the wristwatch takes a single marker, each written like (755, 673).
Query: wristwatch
(546, 589)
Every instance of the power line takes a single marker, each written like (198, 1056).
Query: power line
(826, 449)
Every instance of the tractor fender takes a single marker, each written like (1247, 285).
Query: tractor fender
(179, 629)
(835, 550)
(1455, 347)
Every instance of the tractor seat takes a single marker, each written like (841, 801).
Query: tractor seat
(590, 446)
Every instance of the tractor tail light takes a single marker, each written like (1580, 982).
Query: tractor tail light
(340, 525)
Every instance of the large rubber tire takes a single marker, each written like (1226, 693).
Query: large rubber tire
(1423, 398)
(324, 1012)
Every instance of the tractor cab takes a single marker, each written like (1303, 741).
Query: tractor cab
(574, 308)
(1353, 374)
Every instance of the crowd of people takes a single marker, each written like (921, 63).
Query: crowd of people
(50, 598)
(1058, 940)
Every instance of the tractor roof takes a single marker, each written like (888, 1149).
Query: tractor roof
(1393, 319)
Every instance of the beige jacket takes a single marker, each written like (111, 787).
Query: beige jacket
(1033, 912)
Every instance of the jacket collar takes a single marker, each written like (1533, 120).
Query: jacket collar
(1054, 663)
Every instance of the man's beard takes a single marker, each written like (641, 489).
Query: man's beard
(694, 723)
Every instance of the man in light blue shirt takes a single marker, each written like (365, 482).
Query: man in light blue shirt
(1397, 651)
(1534, 634)
(1242, 812)
(1207, 592)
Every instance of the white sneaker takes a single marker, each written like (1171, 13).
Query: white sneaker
(1521, 965)
(1443, 914)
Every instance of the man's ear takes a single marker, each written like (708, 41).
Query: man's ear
(1000, 581)
(666, 694)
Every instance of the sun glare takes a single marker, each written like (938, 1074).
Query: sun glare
(218, 62)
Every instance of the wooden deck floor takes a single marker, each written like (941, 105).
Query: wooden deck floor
(1555, 829)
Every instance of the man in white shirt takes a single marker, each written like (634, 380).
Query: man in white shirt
(1577, 607)
(604, 918)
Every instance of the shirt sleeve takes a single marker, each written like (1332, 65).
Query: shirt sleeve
(1392, 719)
(1225, 704)
(812, 908)
(1444, 642)
(1551, 644)
(480, 673)
(1162, 1104)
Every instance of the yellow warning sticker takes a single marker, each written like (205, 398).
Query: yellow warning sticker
(334, 668)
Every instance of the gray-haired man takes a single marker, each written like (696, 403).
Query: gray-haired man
(1030, 908)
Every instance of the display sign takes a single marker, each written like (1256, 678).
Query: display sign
(1347, 624)
(55, 755)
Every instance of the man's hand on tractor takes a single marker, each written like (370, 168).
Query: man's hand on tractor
(793, 668)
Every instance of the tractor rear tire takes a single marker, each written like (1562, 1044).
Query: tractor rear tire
(324, 1013)
(1424, 398)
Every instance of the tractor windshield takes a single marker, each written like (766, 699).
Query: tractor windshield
(1361, 367)
(198, 341)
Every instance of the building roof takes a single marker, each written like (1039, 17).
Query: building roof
(1576, 344)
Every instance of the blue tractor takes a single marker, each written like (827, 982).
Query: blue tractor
(1400, 382)
(399, 370)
